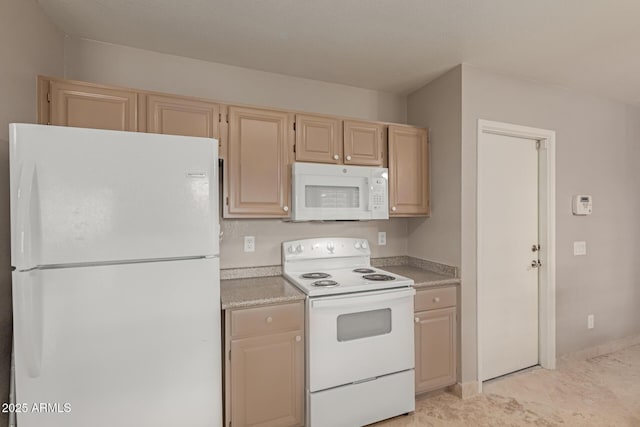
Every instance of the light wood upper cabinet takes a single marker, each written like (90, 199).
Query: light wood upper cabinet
(318, 139)
(180, 116)
(435, 339)
(259, 155)
(363, 143)
(264, 366)
(87, 106)
(408, 171)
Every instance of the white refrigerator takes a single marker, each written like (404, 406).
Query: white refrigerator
(116, 292)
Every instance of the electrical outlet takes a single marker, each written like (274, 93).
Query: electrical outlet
(249, 244)
(382, 238)
(580, 248)
(591, 319)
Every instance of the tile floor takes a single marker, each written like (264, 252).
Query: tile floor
(603, 391)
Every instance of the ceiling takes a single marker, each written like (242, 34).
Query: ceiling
(388, 45)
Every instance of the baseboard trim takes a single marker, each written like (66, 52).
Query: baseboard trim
(602, 349)
(464, 390)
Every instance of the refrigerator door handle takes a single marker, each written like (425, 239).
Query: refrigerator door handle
(23, 216)
(28, 308)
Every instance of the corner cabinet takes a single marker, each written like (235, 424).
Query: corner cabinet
(258, 163)
(264, 366)
(435, 338)
(408, 171)
(88, 106)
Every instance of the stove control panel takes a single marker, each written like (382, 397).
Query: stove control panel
(325, 247)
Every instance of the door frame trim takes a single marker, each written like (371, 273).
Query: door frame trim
(547, 232)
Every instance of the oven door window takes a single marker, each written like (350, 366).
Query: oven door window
(364, 324)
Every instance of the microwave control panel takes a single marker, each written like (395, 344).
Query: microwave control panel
(379, 200)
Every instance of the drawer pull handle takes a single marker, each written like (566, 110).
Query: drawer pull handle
(298, 338)
(436, 299)
(269, 319)
(416, 319)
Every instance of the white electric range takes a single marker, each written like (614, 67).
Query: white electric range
(360, 332)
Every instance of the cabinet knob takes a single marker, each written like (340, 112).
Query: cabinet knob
(298, 338)
(336, 157)
(393, 208)
(416, 319)
(348, 157)
(269, 319)
(286, 208)
(436, 299)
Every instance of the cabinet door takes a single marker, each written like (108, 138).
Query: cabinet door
(363, 143)
(435, 344)
(408, 171)
(87, 106)
(179, 116)
(267, 380)
(259, 157)
(318, 139)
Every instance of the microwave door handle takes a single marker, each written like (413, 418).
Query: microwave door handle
(362, 299)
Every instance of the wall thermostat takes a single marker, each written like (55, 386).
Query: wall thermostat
(582, 205)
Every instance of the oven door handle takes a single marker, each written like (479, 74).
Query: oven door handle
(362, 298)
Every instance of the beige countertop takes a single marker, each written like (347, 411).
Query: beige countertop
(240, 293)
(423, 278)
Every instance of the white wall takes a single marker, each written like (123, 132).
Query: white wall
(29, 45)
(598, 147)
(142, 69)
(438, 106)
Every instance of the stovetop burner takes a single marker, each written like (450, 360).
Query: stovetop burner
(363, 270)
(378, 277)
(315, 275)
(325, 283)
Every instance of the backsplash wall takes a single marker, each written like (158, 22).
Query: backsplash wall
(270, 233)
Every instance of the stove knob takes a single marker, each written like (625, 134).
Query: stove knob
(290, 249)
(331, 247)
(300, 249)
(357, 245)
(364, 245)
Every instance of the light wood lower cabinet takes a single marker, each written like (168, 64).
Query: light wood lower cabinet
(264, 366)
(435, 339)
(408, 171)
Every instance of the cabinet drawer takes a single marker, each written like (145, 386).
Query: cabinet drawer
(268, 319)
(431, 299)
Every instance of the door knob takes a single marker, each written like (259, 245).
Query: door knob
(536, 263)
(535, 248)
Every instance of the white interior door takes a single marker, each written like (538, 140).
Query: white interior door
(507, 230)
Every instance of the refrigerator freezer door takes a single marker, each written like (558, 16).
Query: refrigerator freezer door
(88, 195)
(128, 345)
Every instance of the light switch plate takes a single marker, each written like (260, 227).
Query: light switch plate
(382, 238)
(580, 248)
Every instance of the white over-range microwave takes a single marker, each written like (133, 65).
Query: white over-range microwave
(339, 192)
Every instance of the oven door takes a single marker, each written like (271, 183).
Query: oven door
(359, 337)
